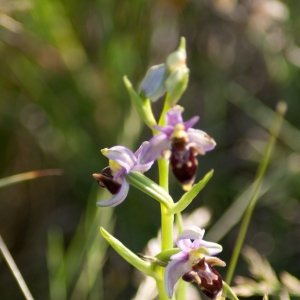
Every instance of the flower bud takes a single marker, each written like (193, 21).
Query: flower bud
(176, 84)
(177, 59)
(153, 84)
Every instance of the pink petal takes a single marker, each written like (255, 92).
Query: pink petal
(174, 270)
(123, 156)
(201, 139)
(191, 122)
(174, 116)
(154, 149)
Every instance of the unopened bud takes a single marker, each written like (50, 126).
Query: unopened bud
(153, 85)
(176, 84)
(177, 59)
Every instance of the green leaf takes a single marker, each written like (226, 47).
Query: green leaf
(228, 292)
(142, 105)
(128, 255)
(149, 187)
(189, 196)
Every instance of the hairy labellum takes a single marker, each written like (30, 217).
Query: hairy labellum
(105, 179)
(184, 165)
(183, 157)
(207, 278)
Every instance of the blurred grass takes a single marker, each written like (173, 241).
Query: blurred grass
(76, 273)
(62, 99)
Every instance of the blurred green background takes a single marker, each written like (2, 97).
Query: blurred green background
(62, 99)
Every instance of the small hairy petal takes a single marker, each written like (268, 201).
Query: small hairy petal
(191, 122)
(123, 156)
(201, 139)
(174, 270)
(213, 248)
(167, 130)
(119, 197)
(155, 148)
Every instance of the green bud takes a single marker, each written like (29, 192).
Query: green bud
(177, 59)
(176, 84)
(189, 196)
(178, 78)
(153, 85)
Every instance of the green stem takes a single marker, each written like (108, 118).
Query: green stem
(182, 290)
(179, 223)
(166, 220)
(161, 286)
(163, 168)
(162, 120)
(281, 109)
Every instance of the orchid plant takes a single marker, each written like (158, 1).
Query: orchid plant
(176, 143)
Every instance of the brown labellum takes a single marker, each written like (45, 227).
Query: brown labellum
(184, 164)
(105, 179)
(183, 157)
(208, 279)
